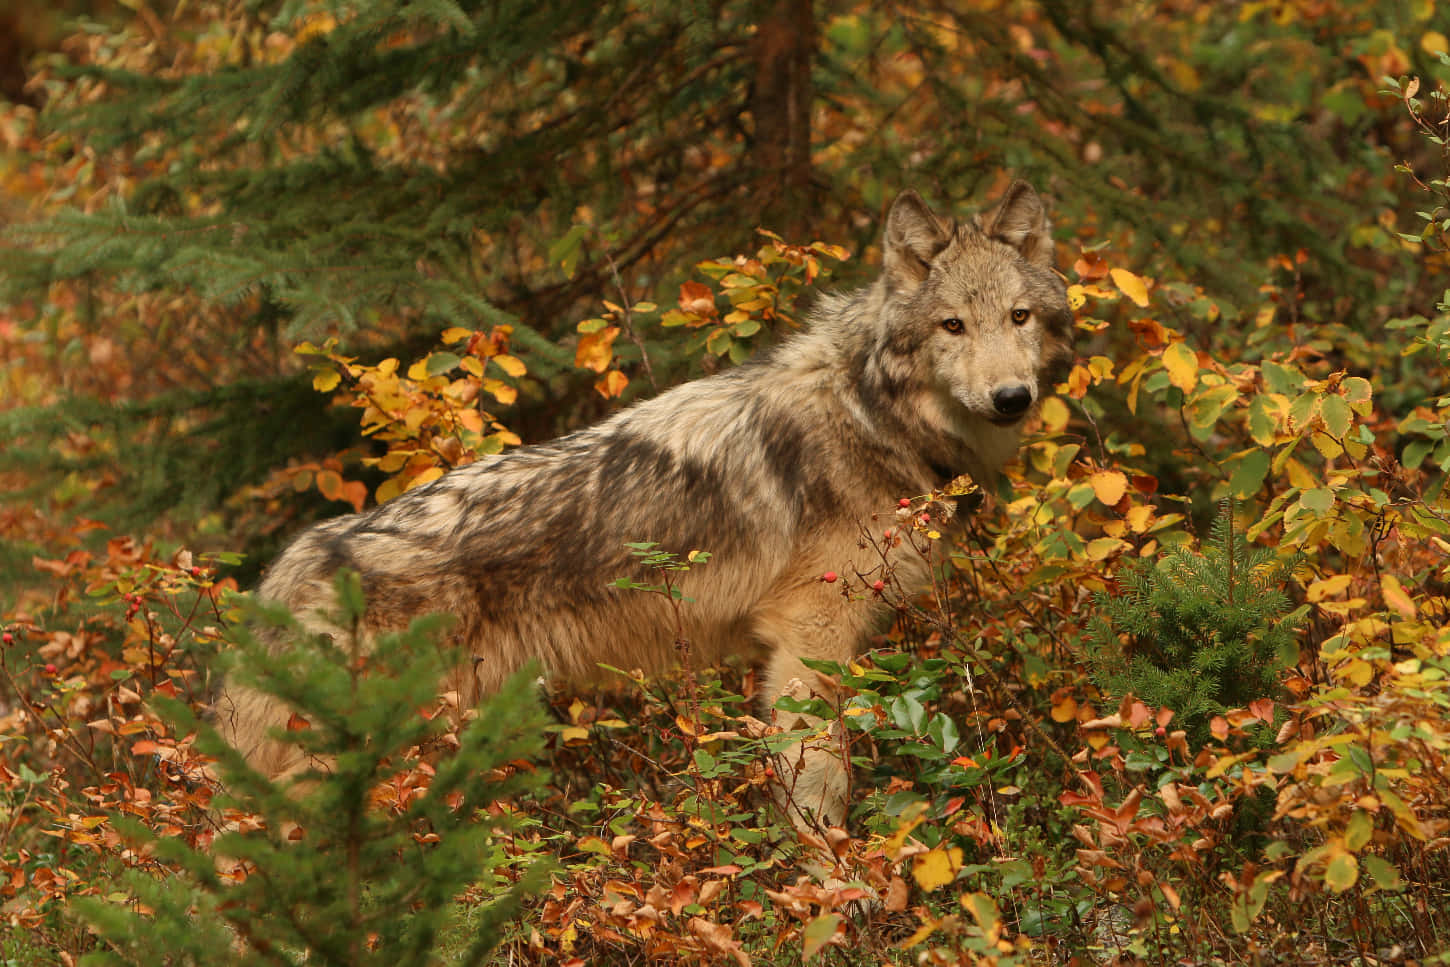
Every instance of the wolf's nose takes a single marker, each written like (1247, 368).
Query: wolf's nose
(1012, 400)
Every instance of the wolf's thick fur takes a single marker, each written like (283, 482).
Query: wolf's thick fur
(773, 467)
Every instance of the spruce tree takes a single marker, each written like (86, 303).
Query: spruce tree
(1198, 632)
(320, 872)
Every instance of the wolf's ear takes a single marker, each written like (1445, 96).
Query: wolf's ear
(914, 235)
(1020, 220)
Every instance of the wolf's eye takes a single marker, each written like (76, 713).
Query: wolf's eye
(954, 326)
(1020, 316)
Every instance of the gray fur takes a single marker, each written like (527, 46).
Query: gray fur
(774, 467)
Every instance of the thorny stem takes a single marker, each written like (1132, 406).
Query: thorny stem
(628, 321)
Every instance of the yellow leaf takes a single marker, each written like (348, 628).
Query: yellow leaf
(418, 371)
(500, 391)
(1076, 297)
(1065, 710)
(514, 366)
(427, 476)
(1327, 587)
(1140, 518)
(1182, 365)
(1356, 671)
(1341, 872)
(1101, 367)
(983, 909)
(455, 334)
(574, 733)
(1327, 446)
(1055, 415)
(1109, 486)
(911, 817)
(326, 381)
(937, 867)
(1100, 548)
(1434, 43)
(595, 349)
(389, 489)
(1395, 595)
(1132, 286)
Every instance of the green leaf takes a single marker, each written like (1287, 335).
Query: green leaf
(1247, 906)
(1262, 422)
(1359, 831)
(818, 933)
(1249, 475)
(1341, 872)
(719, 342)
(442, 363)
(747, 328)
(908, 713)
(1415, 453)
(1281, 379)
(1385, 874)
(943, 731)
(565, 251)
(1337, 415)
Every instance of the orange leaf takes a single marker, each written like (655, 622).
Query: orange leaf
(595, 349)
(1395, 595)
(612, 384)
(1090, 267)
(697, 299)
(329, 484)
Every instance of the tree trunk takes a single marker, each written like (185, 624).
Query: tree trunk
(780, 105)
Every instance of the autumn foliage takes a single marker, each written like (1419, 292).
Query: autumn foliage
(1179, 693)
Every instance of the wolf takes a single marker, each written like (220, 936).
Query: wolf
(777, 468)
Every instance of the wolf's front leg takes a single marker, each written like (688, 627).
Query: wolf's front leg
(813, 775)
(812, 622)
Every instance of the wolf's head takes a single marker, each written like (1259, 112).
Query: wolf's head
(976, 323)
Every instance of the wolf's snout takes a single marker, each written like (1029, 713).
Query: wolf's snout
(1011, 401)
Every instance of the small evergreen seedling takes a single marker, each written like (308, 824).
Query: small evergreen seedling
(1197, 632)
(332, 877)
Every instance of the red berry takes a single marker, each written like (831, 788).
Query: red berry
(49, 668)
(829, 577)
(878, 585)
(196, 572)
(1160, 731)
(8, 638)
(905, 502)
